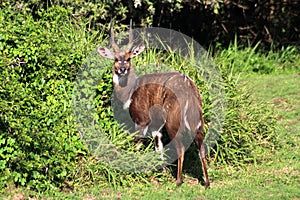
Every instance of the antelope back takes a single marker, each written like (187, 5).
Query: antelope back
(177, 96)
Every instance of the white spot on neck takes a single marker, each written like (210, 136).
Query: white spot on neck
(116, 79)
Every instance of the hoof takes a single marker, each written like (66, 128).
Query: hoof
(179, 183)
(207, 185)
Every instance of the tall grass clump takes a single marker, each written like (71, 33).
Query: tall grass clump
(250, 125)
(247, 60)
(248, 130)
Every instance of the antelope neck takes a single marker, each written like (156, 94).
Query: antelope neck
(125, 85)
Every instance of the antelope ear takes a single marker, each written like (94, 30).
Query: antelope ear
(106, 53)
(136, 51)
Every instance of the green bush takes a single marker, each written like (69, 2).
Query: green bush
(39, 144)
(39, 140)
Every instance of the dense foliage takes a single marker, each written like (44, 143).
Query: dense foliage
(273, 23)
(39, 143)
(41, 52)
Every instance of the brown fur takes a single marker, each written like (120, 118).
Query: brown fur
(170, 91)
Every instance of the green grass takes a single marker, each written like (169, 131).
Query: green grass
(281, 90)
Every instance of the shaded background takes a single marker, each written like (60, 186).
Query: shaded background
(211, 22)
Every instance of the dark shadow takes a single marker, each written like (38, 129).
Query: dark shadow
(192, 165)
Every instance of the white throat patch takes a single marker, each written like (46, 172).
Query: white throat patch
(116, 79)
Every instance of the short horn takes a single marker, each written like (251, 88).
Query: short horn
(112, 39)
(130, 42)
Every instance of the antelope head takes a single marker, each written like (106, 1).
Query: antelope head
(122, 64)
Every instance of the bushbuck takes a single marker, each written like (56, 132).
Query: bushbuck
(170, 100)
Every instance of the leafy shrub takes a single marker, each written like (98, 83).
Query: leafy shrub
(40, 147)
(39, 140)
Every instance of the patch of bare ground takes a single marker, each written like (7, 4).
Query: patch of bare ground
(191, 180)
(282, 104)
(88, 197)
(17, 196)
(287, 171)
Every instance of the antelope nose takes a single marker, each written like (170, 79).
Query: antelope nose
(122, 69)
